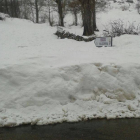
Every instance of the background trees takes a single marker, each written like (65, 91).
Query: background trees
(49, 12)
(36, 7)
(10, 7)
(75, 8)
(42, 10)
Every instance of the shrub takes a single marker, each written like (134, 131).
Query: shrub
(118, 28)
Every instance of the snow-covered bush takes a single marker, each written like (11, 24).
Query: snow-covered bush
(118, 28)
(3, 16)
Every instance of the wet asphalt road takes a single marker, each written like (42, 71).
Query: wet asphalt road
(120, 129)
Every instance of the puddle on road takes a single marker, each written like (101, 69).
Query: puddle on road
(120, 129)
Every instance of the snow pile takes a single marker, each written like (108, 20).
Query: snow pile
(3, 16)
(71, 93)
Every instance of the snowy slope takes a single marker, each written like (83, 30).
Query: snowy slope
(45, 80)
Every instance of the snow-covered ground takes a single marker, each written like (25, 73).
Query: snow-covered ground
(46, 80)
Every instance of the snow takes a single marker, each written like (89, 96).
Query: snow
(45, 80)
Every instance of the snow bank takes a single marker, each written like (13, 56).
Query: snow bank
(4, 16)
(71, 93)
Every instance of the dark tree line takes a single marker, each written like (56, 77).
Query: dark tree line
(22, 8)
(10, 7)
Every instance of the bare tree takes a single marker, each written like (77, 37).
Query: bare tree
(37, 11)
(6, 7)
(88, 16)
(49, 13)
(60, 11)
(75, 8)
(36, 7)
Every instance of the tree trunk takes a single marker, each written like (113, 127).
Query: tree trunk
(60, 11)
(37, 11)
(6, 7)
(89, 19)
(88, 14)
(16, 9)
(75, 15)
(11, 8)
(94, 16)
